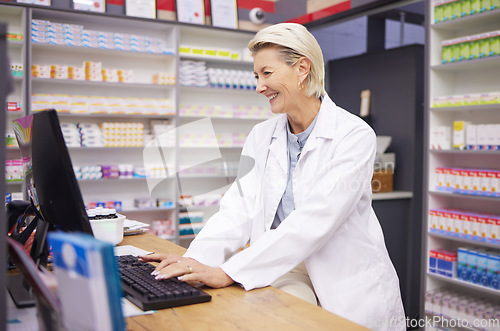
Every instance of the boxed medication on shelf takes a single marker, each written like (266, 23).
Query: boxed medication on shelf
(494, 43)
(10, 140)
(144, 203)
(163, 229)
(471, 137)
(40, 71)
(110, 75)
(13, 106)
(125, 76)
(440, 138)
(459, 134)
(17, 69)
(443, 262)
(14, 170)
(190, 217)
(76, 72)
(59, 71)
(11, 196)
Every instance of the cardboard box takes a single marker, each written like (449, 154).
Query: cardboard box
(382, 181)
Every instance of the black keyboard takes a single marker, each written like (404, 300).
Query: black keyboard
(148, 293)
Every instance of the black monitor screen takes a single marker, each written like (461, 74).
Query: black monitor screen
(55, 186)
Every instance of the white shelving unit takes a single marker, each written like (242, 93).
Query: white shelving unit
(463, 77)
(15, 19)
(144, 66)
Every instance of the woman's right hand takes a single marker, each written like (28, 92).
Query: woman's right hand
(157, 257)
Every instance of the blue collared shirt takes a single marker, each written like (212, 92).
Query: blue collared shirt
(295, 144)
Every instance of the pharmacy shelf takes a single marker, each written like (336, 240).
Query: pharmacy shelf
(461, 77)
(466, 152)
(15, 43)
(222, 118)
(76, 83)
(181, 176)
(464, 196)
(470, 21)
(464, 240)
(137, 116)
(192, 208)
(221, 90)
(447, 322)
(486, 62)
(15, 113)
(112, 149)
(217, 60)
(92, 51)
(13, 183)
(392, 195)
(107, 180)
(146, 210)
(210, 147)
(462, 283)
(495, 107)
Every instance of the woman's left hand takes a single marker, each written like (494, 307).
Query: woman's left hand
(187, 269)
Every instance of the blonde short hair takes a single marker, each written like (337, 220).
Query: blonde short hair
(294, 42)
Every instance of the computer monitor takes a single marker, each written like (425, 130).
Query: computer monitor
(51, 186)
(59, 199)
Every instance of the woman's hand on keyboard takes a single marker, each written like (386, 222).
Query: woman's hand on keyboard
(187, 269)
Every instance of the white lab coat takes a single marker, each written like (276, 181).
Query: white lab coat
(333, 227)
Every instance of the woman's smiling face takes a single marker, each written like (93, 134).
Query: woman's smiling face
(277, 80)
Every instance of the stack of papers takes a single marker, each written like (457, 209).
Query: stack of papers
(131, 227)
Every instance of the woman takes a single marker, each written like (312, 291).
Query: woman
(305, 206)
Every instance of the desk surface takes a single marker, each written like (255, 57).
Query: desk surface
(233, 308)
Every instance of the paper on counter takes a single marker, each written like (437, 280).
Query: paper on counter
(130, 250)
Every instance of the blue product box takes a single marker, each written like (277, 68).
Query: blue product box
(482, 263)
(462, 264)
(432, 261)
(447, 263)
(493, 270)
(472, 271)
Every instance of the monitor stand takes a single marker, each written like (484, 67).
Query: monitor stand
(20, 291)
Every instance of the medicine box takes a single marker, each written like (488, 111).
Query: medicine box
(447, 263)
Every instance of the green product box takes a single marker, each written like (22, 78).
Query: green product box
(10, 140)
(455, 50)
(495, 4)
(494, 43)
(446, 51)
(438, 11)
(484, 45)
(447, 11)
(456, 9)
(464, 8)
(475, 6)
(485, 5)
(474, 47)
(464, 49)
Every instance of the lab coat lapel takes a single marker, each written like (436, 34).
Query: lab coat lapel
(322, 129)
(276, 171)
